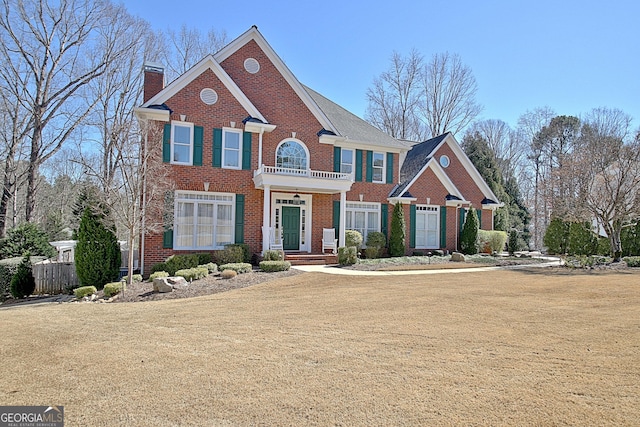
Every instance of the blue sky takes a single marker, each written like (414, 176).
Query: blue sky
(570, 55)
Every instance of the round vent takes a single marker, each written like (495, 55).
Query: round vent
(208, 96)
(251, 65)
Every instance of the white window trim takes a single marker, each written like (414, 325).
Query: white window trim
(180, 198)
(224, 147)
(384, 167)
(353, 159)
(352, 207)
(173, 127)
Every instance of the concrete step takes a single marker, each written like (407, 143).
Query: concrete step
(304, 258)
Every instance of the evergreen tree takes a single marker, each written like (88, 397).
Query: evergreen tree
(556, 238)
(24, 238)
(23, 284)
(469, 236)
(97, 255)
(398, 231)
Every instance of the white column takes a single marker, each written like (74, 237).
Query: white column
(266, 218)
(260, 148)
(343, 219)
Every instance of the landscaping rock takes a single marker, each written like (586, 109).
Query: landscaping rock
(161, 285)
(177, 282)
(457, 257)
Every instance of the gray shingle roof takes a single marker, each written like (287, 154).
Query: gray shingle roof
(349, 125)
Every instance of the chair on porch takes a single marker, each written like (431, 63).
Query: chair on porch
(329, 240)
(275, 241)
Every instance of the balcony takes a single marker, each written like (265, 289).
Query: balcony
(302, 180)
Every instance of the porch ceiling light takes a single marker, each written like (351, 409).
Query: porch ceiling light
(296, 199)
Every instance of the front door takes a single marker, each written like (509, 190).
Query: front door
(427, 227)
(291, 228)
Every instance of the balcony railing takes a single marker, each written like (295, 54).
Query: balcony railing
(308, 173)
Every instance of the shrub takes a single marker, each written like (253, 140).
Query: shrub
(353, 238)
(376, 241)
(484, 238)
(514, 244)
(158, 274)
(273, 256)
(211, 267)
(397, 240)
(84, 291)
(231, 254)
(556, 238)
(228, 274)
(632, 261)
(246, 251)
(27, 237)
(491, 241)
(113, 288)
(469, 235)
(136, 278)
(347, 255)
(238, 267)
(160, 266)
(22, 283)
(97, 253)
(582, 241)
(8, 268)
(181, 262)
(273, 266)
(191, 274)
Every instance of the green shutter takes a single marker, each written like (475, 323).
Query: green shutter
(384, 220)
(463, 214)
(359, 165)
(166, 143)
(246, 150)
(167, 239)
(369, 166)
(336, 159)
(197, 145)
(443, 226)
(336, 216)
(479, 212)
(412, 219)
(217, 148)
(389, 168)
(239, 218)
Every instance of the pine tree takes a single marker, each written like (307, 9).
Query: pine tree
(469, 236)
(97, 255)
(398, 231)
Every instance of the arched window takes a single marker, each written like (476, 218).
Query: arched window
(292, 155)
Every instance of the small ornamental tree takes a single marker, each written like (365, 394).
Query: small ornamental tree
(24, 238)
(97, 255)
(469, 236)
(23, 284)
(398, 231)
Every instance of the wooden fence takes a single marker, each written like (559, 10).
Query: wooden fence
(54, 277)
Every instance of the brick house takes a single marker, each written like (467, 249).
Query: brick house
(259, 158)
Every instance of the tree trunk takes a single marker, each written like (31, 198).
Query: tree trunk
(32, 171)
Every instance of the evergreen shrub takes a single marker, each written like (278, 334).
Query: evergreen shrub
(353, 238)
(238, 267)
(274, 266)
(397, 240)
(27, 237)
(194, 273)
(84, 291)
(469, 235)
(113, 288)
(211, 267)
(376, 241)
(273, 256)
(556, 238)
(231, 254)
(632, 261)
(97, 253)
(347, 255)
(136, 278)
(158, 274)
(514, 244)
(23, 284)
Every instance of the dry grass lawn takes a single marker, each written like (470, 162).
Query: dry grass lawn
(489, 348)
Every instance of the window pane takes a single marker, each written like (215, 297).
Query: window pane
(232, 140)
(224, 226)
(204, 234)
(184, 225)
(182, 134)
(378, 160)
(359, 225)
(181, 153)
(377, 174)
(231, 158)
(291, 155)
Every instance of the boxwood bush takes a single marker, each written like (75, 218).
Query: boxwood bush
(136, 278)
(182, 262)
(347, 255)
(353, 238)
(273, 256)
(113, 288)
(211, 267)
(191, 274)
(84, 291)
(273, 266)
(158, 274)
(238, 267)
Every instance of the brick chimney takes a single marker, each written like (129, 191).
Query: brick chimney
(153, 80)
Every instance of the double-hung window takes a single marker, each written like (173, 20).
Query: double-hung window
(346, 160)
(378, 167)
(182, 143)
(362, 217)
(231, 148)
(203, 220)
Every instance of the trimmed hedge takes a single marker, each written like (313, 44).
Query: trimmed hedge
(182, 262)
(238, 267)
(158, 274)
(84, 291)
(136, 278)
(191, 274)
(273, 256)
(231, 254)
(274, 266)
(211, 267)
(113, 288)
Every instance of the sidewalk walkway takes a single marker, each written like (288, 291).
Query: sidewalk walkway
(332, 269)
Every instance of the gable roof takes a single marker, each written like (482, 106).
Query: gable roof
(350, 126)
(421, 157)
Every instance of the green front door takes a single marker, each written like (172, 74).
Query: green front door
(291, 228)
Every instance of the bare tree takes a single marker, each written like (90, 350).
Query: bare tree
(53, 50)
(508, 148)
(394, 99)
(187, 46)
(449, 89)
